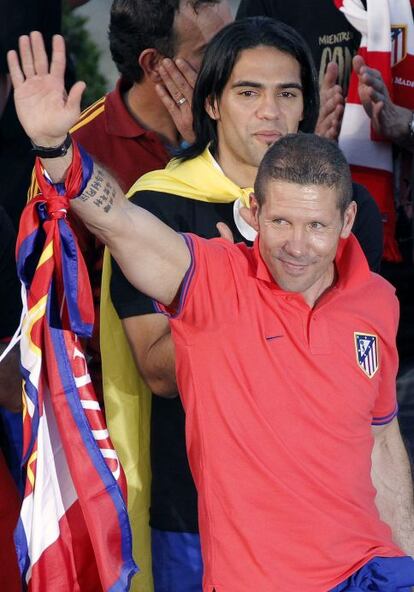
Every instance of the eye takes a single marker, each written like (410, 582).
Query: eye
(287, 94)
(316, 225)
(279, 222)
(247, 93)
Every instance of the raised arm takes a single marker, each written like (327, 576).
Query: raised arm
(152, 256)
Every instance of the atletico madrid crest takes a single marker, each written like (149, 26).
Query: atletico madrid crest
(398, 44)
(366, 347)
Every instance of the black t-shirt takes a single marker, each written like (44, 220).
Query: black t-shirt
(173, 494)
(10, 301)
(325, 29)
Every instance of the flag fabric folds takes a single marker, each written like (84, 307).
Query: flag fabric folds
(73, 532)
(387, 44)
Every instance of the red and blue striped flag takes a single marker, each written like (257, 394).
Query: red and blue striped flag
(73, 533)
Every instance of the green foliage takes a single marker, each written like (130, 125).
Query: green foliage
(83, 56)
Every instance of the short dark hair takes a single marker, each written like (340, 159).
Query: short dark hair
(136, 25)
(220, 58)
(305, 159)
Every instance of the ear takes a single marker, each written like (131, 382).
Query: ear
(251, 214)
(212, 109)
(349, 218)
(149, 61)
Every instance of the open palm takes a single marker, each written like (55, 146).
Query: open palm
(45, 110)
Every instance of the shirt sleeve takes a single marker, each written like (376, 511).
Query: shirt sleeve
(209, 292)
(386, 406)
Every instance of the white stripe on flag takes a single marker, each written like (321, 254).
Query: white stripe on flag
(54, 491)
(355, 142)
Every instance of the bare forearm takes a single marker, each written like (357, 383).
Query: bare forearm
(152, 346)
(392, 478)
(159, 370)
(148, 251)
(397, 129)
(96, 204)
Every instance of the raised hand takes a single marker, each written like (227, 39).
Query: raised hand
(45, 110)
(332, 105)
(176, 93)
(387, 118)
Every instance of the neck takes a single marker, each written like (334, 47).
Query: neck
(325, 283)
(145, 107)
(241, 173)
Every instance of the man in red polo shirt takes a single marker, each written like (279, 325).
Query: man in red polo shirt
(293, 344)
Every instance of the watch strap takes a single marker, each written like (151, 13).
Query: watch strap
(54, 152)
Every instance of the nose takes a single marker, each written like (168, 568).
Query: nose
(296, 244)
(268, 107)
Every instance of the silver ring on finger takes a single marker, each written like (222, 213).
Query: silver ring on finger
(181, 101)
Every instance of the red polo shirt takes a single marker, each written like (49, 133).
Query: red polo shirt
(279, 402)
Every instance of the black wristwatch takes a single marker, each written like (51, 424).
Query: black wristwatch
(411, 127)
(54, 152)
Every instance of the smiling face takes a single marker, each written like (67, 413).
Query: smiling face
(300, 227)
(261, 102)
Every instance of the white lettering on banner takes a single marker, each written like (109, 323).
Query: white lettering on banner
(335, 38)
(403, 82)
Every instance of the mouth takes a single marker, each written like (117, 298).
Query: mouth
(268, 137)
(294, 269)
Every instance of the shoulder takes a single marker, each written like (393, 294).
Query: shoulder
(382, 296)
(216, 249)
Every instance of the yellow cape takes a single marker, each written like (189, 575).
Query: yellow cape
(127, 398)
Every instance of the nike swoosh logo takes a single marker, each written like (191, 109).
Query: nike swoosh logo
(273, 337)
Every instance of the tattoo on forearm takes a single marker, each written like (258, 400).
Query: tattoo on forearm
(101, 191)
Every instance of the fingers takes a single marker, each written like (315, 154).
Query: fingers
(167, 100)
(75, 95)
(225, 231)
(41, 62)
(174, 80)
(26, 56)
(331, 100)
(180, 113)
(187, 71)
(376, 116)
(330, 77)
(16, 73)
(358, 62)
(58, 63)
(33, 58)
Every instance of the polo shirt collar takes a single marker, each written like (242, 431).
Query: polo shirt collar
(118, 120)
(351, 265)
